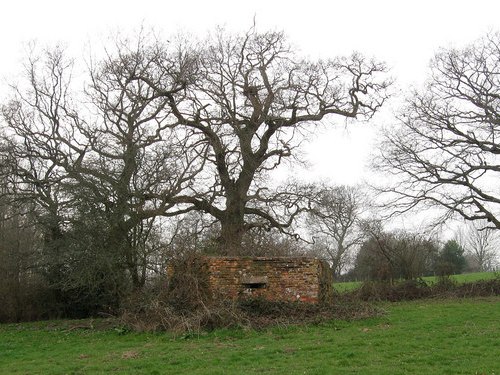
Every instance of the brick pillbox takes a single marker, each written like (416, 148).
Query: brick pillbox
(277, 279)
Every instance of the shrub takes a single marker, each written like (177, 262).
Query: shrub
(416, 289)
(183, 307)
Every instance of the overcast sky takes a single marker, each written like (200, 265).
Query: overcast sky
(402, 33)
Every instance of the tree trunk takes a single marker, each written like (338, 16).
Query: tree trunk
(232, 230)
(125, 253)
(233, 226)
(233, 220)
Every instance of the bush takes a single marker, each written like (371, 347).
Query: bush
(416, 289)
(182, 306)
(385, 291)
(31, 300)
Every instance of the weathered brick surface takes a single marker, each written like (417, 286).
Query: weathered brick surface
(274, 279)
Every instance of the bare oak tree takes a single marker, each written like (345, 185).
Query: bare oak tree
(249, 101)
(446, 152)
(109, 150)
(334, 225)
(481, 244)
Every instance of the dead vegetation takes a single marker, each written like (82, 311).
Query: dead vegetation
(255, 314)
(184, 305)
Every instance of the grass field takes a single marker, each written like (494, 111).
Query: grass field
(418, 337)
(463, 278)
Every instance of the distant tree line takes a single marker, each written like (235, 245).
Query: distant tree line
(389, 256)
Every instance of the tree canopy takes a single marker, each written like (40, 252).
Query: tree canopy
(247, 98)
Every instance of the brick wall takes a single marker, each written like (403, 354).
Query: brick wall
(274, 279)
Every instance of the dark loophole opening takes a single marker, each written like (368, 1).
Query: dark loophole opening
(254, 285)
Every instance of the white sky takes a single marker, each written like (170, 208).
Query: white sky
(402, 33)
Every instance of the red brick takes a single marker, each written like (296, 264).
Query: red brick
(274, 279)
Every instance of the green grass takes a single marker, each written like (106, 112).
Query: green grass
(462, 278)
(418, 337)
(347, 286)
